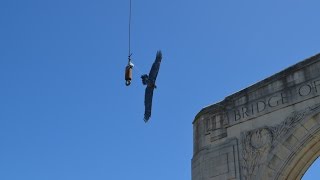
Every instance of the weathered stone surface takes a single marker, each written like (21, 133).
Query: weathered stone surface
(270, 130)
(221, 162)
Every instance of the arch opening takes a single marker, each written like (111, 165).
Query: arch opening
(313, 170)
(305, 151)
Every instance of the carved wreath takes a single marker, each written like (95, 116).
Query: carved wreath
(257, 144)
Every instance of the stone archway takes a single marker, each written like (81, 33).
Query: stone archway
(270, 130)
(284, 151)
(303, 153)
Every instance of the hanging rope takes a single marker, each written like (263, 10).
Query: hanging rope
(129, 56)
(128, 69)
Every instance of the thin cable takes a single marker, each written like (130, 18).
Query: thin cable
(129, 56)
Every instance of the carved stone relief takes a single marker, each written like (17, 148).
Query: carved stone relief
(257, 143)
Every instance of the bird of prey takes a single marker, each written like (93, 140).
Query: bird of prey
(150, 81)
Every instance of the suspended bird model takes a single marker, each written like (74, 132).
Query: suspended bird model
(150, 81)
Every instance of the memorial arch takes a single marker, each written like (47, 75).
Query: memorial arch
(270, 130)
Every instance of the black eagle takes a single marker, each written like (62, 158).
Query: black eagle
(150, 81)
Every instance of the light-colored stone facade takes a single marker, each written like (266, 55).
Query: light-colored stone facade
(270, 130)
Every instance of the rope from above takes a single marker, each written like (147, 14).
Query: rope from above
(129, 56)
(128, 69)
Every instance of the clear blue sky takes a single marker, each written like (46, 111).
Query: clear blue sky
(65, 113)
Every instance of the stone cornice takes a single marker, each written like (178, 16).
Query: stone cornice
(284, 76)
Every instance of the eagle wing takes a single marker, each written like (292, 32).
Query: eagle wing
(155, 67)
(148, 103)
(149, 89)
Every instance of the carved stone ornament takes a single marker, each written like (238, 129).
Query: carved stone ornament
(257, 144)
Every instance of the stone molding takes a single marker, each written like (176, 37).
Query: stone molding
(298, 83)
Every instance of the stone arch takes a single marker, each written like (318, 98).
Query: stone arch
(296, 151)
(268, 131)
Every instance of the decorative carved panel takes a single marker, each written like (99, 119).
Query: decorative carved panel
(257, 143)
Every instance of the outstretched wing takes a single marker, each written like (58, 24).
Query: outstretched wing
(149, 89)
(155, 67)
(148, 103)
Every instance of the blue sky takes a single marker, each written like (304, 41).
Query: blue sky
(65, 111)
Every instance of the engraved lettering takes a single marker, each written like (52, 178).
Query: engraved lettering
(273, 103)
(261, 106)
(244, 112)
(288, 95)
(237, 115)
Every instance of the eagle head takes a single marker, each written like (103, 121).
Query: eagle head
(145, 79)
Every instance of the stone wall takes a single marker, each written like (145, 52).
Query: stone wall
(269, 130)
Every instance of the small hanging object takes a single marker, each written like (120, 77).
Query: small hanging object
(128, 72)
